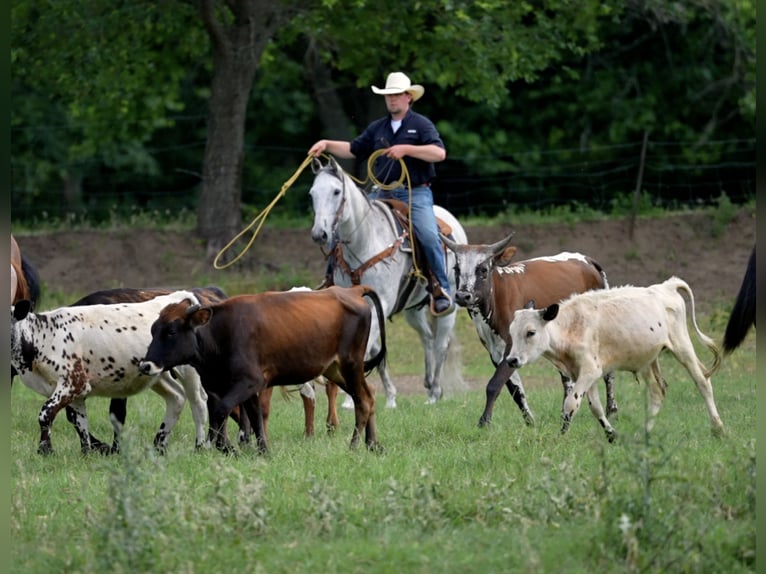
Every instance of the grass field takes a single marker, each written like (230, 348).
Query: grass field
(445, 496)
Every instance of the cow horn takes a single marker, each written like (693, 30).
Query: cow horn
(496, 248)
(452, 245)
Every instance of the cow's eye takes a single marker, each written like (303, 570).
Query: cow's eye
(530, 333)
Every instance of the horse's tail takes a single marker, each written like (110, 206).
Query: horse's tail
(33, 281)
(380, 358)
(743, 313)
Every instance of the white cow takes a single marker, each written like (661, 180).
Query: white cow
(71, 353)
(623, 329)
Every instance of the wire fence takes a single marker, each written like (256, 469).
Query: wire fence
(601, 178)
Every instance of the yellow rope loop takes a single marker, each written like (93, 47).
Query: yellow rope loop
(261, 217)
(398, 183)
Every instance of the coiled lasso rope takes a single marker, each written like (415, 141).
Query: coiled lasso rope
(261, 217)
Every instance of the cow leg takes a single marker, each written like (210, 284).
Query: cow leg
(118, 413)
(58, 400)
(594, 402)
(309, 408)
(242, 391)
(87, 440)
(684, 351)
(516, 388)
(500, 377)
(170, 390)
(657, 388)
(364, 409)
(611, 402)
(255, 412)
(77, 415)
(197, 398)
(573, 400)
(331, 390)
(264, 402)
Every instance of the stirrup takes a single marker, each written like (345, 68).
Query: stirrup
(447, 310)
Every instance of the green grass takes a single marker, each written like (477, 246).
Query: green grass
(445, 496)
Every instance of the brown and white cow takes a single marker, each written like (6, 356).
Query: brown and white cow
(248, 343)
(71, 353)
(491, 287)
(618, 329)
(118, 405)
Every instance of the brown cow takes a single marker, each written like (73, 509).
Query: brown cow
(248, 343)
(491, 288)
(206, 295)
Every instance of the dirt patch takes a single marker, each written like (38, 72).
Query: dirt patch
(80, 262)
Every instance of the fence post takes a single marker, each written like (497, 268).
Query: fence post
(639, 181)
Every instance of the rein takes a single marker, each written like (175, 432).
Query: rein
(405, 175)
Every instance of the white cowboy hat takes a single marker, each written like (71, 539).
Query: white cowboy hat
(396, 83)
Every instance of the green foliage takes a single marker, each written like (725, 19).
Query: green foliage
(723, 214)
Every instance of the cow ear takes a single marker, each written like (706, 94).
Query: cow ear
(530, 304)
(21, 309)
(199, 316)
(316, 165)
(505, 257)
(550, 312)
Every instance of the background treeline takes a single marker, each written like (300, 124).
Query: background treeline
(124, 106)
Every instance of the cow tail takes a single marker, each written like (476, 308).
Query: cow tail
(681, 285)
(600, 270)
(742, 315)
(370, 364)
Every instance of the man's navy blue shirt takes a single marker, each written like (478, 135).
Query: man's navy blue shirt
(416, 129)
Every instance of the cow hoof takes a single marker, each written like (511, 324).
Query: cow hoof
(100, 448)
(718, 432)
(376, 447)
(45, 449)
(484, 423)
(529, 420)
(391, 403)
(611, 436)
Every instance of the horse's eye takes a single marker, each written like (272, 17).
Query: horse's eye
(337, 191)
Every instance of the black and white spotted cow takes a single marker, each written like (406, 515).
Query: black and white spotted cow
(71, 353)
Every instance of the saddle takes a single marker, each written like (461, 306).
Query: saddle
(401, 212)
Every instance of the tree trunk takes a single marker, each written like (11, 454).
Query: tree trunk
(237, 49)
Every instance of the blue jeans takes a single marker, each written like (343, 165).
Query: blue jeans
(424, 223)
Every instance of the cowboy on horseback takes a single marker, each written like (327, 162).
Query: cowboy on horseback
(411, 137)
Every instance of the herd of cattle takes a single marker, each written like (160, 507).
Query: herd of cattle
(224, 355)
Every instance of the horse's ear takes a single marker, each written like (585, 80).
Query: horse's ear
(334, 166)
(316, 165)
